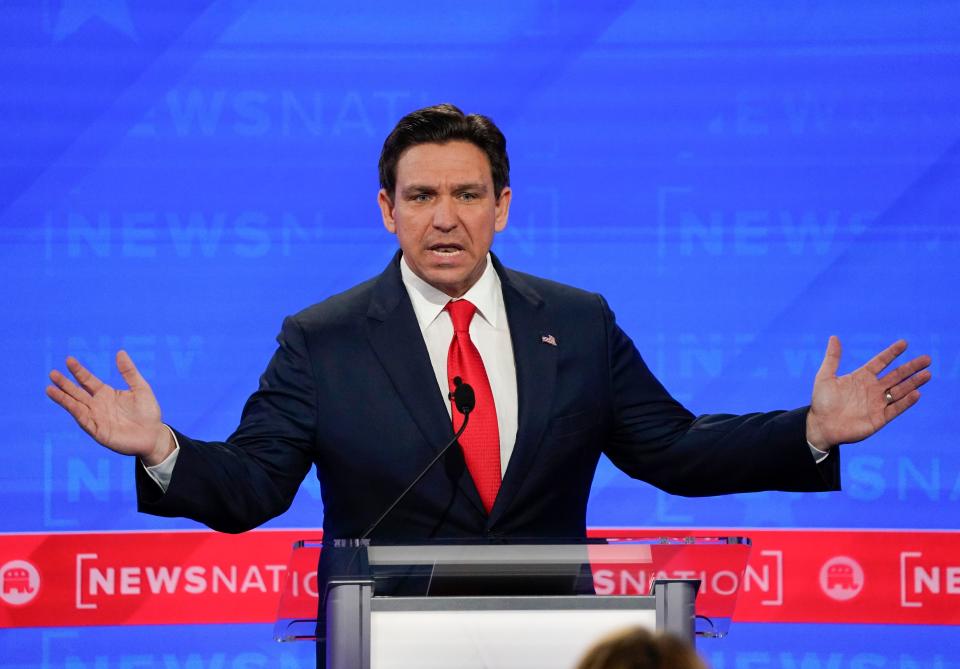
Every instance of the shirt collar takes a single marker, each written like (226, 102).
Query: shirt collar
(428, 302)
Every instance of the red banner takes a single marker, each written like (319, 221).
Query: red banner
(138, 578)
(842, 576)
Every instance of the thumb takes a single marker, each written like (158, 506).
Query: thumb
(129, 371)
(831, 359)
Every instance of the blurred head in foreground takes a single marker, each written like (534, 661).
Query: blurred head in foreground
(639, 648)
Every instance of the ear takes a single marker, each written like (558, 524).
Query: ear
(386, 211)
(502, 209)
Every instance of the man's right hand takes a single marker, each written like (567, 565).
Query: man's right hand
(125, 421)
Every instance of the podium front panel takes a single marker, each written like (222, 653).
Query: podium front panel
(496, 632)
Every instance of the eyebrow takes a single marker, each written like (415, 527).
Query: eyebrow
(418, 188)
(415, 188)
(478, 186)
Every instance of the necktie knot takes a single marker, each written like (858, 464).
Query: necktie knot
(461, 313)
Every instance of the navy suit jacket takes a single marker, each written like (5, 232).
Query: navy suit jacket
(351, 390)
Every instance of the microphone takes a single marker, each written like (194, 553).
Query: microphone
(463, 396)
(465, 400)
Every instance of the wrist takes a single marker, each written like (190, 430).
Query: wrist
(162, 448)
(815, 435)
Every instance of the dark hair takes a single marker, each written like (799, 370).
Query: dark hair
(639, 648)
(438, 125)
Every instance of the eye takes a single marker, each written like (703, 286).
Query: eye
(468, 196)
(421, 197)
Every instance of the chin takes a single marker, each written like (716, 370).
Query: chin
(451, 286)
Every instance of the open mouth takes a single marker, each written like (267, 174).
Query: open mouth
(446, 250)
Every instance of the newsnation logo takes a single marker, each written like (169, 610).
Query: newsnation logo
(137, 578)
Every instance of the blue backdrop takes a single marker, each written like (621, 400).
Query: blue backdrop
(740, 180)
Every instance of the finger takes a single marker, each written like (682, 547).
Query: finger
(89, 382)
(905, 387)
(896, 408)
(69, 388)
(904, 371)
(831, 359)
(78, 410)
(880, 361)
(129, 371)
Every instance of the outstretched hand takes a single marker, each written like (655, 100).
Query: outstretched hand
(125, 421)
(852, 407)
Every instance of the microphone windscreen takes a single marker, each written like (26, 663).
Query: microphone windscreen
(464, 398)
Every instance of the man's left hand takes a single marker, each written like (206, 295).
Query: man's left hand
(850, 408)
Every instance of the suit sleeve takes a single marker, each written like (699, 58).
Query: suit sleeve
(654, 438)
(235, 485)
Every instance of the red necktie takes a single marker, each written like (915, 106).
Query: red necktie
(481, 439)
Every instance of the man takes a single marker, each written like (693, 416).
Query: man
(358, 387)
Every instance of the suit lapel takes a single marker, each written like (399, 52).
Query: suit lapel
(398, 343)
(536, 364)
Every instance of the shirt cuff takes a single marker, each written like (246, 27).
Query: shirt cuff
(818, 455)
(163, 472)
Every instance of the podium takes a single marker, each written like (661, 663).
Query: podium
(502, 605)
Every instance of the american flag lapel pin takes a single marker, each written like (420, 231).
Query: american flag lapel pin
(549, 339)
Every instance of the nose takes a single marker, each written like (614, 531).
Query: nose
(445, 214)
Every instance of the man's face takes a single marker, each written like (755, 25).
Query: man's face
(444, 213)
